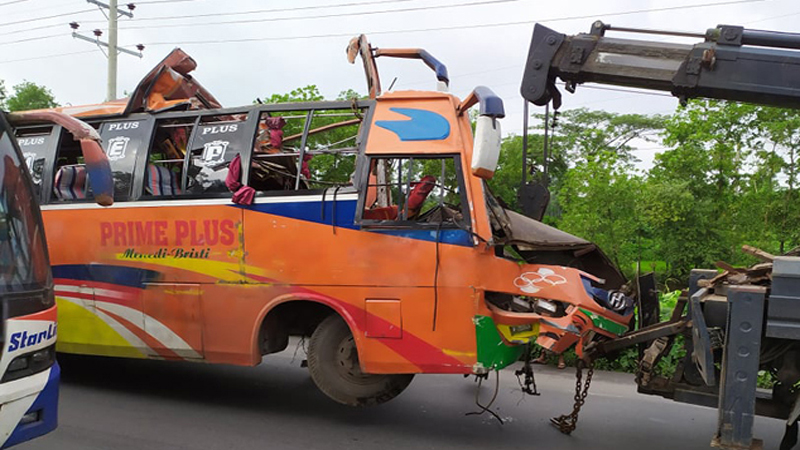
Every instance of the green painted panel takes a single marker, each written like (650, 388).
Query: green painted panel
(605, 324)
(492, 351)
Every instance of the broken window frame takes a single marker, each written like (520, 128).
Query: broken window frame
(253, 114)
(362, 109)
(161, 122)
(402, 221)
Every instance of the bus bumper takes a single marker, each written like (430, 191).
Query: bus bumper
(30, 406)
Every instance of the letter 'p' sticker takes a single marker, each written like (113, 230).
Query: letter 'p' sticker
(423, 126)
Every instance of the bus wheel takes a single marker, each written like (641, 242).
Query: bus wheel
(334, 367)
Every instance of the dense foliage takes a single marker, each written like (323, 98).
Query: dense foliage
(26, 95)
(726, 176)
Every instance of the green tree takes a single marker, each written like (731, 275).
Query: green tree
(594, 181)
(2, 95)
(508, 175)
(28, 95)
(778, 157)
(724, 180)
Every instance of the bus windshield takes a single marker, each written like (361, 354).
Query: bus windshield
(23, 256)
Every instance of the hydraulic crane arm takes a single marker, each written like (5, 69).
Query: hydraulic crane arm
(731, 63)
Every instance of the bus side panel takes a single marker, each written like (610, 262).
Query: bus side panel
(355, 268)
(231, 321)
(408, 342)
(131, 280)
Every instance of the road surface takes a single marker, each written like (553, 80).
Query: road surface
(128, 404)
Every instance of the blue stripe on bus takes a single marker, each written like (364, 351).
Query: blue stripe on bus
(46, 405)
(345, 215)
(120, 275)
(312, 211)
(455, 237)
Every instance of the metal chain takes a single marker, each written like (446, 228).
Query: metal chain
(567, 422)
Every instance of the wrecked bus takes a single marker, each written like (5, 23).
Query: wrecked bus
(365, 225)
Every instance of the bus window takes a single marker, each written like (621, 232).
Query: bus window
(274, 166)
(23, 260)
(71, 181)
(38, 148)
(214, 144)
(122, 141)
(415, 191)
(327, 137)
(164, 168)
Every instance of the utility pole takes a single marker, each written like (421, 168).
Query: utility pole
(111, 92)
(113, 49)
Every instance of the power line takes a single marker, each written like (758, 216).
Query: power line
(772, 18)
(324, 16)
(456, 27)
(42, 27)
(28, 10)
(162, 1)
(262, 11)
(12, 2)
(38, 38)
(57, 55)
(46, 17)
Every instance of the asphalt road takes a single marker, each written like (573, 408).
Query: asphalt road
(127, 404)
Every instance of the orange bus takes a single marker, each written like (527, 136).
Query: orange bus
(365, 225)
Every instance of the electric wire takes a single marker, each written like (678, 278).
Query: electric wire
(52, 16)
(146, 2)
(12, 2)
(456, 27)
(321, 16)
(485, 408)
(41, 27)
(38, 38)
(261, 11)
(57, 55)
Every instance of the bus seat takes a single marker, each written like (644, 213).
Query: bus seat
(161, 181)
(419, 193)
(382, 213)
(70, 182)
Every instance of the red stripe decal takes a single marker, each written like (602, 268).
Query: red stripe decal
(424, 355)
(150, 341)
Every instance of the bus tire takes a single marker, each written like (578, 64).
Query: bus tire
(333, 363)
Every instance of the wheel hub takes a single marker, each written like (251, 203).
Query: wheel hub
(347, 359)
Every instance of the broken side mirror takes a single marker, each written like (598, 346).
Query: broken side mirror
(486, 149)
(488, 137)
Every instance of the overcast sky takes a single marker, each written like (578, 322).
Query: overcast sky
(294, 44)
